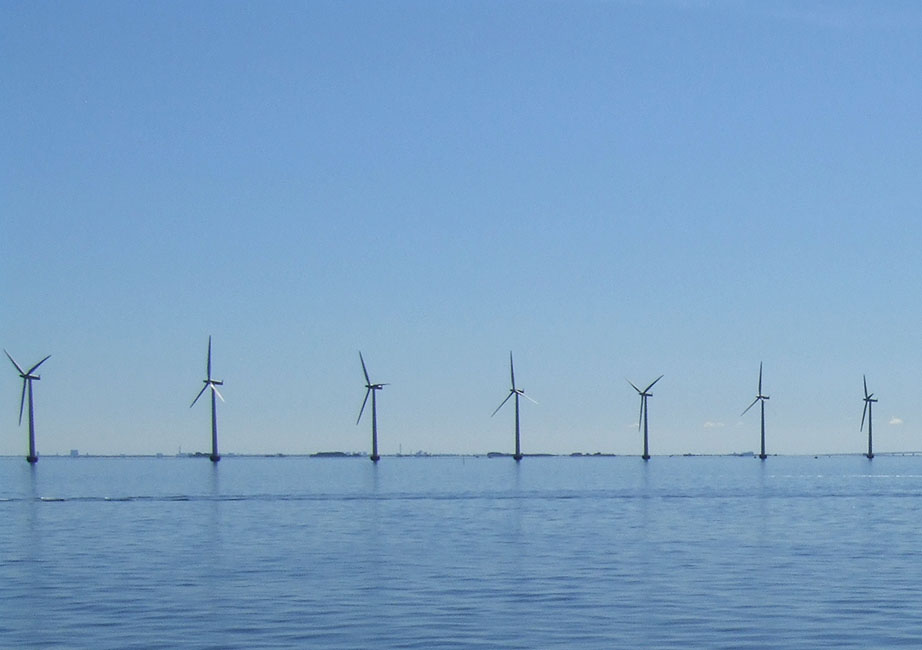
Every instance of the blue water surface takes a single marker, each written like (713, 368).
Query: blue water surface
(705, 552)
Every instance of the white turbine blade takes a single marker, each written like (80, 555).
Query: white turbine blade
(511, 393)
(21, 371)
(511, 370)
(865, 386)
(633, 386)
(364, 402)
(863, 413)
(204, 388)
(364, 369)
(522, 393)
(760, 378)
(750, 406)
(643, 402)
(654, 381)
(208, 366)
(217, 392)
(35, 367)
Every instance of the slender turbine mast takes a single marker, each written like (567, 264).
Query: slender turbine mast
(27, 379)
(516, 392)
(644, 394)
(213, 385)
(759, 398)
(868, 401)
(371, 389)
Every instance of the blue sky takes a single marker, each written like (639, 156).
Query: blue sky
(610, 190)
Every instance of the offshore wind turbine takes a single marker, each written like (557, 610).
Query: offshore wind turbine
(759, 398)
(27, 378)
(644, 394)
(514, 392)
(213, 385)
(371, 388)
(868, 401)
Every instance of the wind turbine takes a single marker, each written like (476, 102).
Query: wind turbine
(27, 379)
(644, 394)
(213, 385)
(759, 398)
(370, 388)
(514, 391)
(868, 401)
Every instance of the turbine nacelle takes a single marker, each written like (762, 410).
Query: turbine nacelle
(758, 398)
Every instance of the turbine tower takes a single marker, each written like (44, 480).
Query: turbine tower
(868, 401)
(516, 392)
(370, 388)
(644, 394)
(759, 398)
(213, 385)
(27, 379)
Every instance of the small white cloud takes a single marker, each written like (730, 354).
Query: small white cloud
(896, 420)
(710, 424)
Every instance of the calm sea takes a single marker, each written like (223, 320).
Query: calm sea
(461, 552)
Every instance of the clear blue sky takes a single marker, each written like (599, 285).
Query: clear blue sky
(609, 189)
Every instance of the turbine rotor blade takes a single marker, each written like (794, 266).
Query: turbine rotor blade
(654, 381)
(21, 371)
(511, 371)
(865, 386)
(35, 367)
(760, 378)
(217, 392)
(511, 393)
(364, 369)
(22, 401)
(863, 413)
(204, 388)
(643, 403)
(208, 366)
(750, 406)
(639, 392)
(522, 393)
(364, 402)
